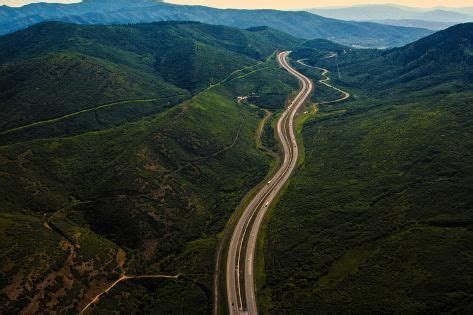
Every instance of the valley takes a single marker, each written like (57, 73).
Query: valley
(179, 159)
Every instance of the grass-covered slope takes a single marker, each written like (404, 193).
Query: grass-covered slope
(121, 187)
(167, 48)
(61, 79)
(379, 219)
(57, 84)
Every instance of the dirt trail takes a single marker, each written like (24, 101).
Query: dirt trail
(123, 278)
(53, 120)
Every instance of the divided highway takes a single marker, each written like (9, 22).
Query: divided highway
(240, 260)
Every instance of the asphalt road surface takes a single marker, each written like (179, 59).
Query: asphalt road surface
(240, 260)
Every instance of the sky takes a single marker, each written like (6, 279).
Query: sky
(285, 4)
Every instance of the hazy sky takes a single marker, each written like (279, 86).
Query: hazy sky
(284, 4)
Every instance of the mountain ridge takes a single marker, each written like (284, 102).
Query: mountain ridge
(383, 12)
(178, 58)
(297, 23)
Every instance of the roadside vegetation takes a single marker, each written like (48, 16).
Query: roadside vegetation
(379, 216)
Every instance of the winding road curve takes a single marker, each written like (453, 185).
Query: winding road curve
(324, 81)
(240, 260)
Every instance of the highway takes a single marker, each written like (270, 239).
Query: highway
(324, 81)
(241, 252)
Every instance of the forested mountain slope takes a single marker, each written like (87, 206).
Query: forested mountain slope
(112, 164)
(54, 69)
(379, 218)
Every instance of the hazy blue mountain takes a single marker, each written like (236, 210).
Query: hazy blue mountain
(431, 25)
(467, 10)
(300, 24)
(446, 16)
(393, 12)
(463, 10)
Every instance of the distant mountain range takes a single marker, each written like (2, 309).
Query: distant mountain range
(431, 25)
(300, 24)
(435, 19)
(381, 12)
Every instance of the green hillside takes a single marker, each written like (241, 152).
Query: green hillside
(131, 44)
(57, 84)
(323, 45)
(379, 218)
(114, 174)
(95, 77)
(440, 59)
